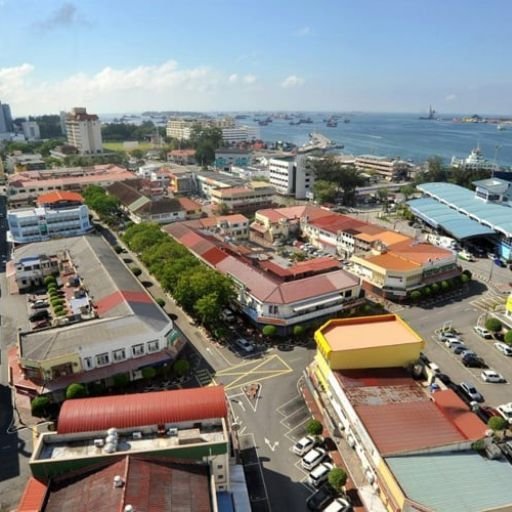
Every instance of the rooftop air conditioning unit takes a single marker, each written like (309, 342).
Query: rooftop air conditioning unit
(118, 481)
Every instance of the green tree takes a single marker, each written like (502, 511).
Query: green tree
(121, 380)
(148, 373)
(427, 291)
(497, 423)
(493, 325)
(76, 390)
(160, 302)
(445, 286)
(415, 295)
(39, 406)
(337, 478)
(508, 337)
(269, 330)
(298, 331)
(435, 288)
(383, 196)
(464, 278)
(208, 309)
(49, 280)
(181, 367)
(314, 428)
(407, 191)
(324, 191)
(205, 154)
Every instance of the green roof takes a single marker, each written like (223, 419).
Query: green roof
(454, 481)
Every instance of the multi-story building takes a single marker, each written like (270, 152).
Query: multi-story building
(182, 156)
(413, 437)
(257, 194)
(392, 169)
(292, 176)
(30, 130)
(107, 324)
(181, 180)
(181, 127)
(24, 188)
(226, 158)
(205, 182)
(234, 134)
(271, 291)
(6, 124)
(19, 162)
(83, 131)
(57, 215)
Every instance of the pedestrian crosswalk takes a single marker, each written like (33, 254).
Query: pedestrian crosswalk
(203, 376)
(489, 301)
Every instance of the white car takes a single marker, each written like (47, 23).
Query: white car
(506, 411)
(319, 475)
(339, 505)
(313, 458)
(302, 446)
(447, 336)
(492, 376)
(504, 348)
(452, 343)
(482, 332)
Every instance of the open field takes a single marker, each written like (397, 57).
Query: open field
(118, 146)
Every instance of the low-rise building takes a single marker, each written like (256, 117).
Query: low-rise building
(257, 194)
(414, 442)
(205, 182)
(24, 188)
(392, 169)
(226, 158)
(57, 215)
(181, 181)
(18, 162)
(107, 323)
(182, 156)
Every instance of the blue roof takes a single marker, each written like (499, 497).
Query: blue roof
(225, 502)
(454, 481)
(495, 216)
(457, 224)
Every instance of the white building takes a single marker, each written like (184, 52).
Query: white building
(389, 168)
(292, 177)
(240, 134)
(30, 130)
(83, 131)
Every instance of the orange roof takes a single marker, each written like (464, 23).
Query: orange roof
(386, 237)
(188, 204)
(419, 252)
(392, 261)
(33, 496)
(59, 195)
(367, 331)
(182, 152)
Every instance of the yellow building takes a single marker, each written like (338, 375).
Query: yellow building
(381, 341)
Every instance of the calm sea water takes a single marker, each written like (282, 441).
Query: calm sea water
(397, 135)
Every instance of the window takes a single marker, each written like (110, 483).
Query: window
(119, 355)
(88, 363)
(153, 346)
(138, 350)
(102, 359)
(348, 293)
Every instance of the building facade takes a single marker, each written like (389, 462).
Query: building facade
(83, 131)
(226, 158)
(234, 134)
(255, 195)
(30, 130)
(391, 169)
(292, 177)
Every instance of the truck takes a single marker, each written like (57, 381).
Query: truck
(442, 241)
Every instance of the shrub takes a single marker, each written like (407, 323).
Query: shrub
(136, 271)
(76, 391)
(508, 337)
(56, 302)
(160, 302)
(52, 287)
(427, 291)
(445, 286)
(497, 423)
(269, 330)
(49, 280)
(121, 380)
(435, 288)
(118, 249)
(181, 367)
(478, 446)
(415, 295)
(464, 278)
(493, 325)
(314, 428)
(298, 330)
(148, 373)
(337, 478)
(467, 273)
(39, 405)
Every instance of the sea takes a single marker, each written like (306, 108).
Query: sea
(394, 135)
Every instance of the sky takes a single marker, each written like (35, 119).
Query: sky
(233, 55)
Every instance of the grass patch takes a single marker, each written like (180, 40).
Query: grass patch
(118, 146)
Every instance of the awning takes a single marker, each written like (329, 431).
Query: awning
(317, 303)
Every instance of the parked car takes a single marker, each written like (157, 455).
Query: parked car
(303, 445)
(500, 263)
(245, 345)
(313, 458)
(485, 413)
(339, 505)
(492, 256)
(39, 315)
(506, 411)
(41, 324)
(492, 376)
(457, 349)
(473, 362)
(471, 392)
(482, 332)
(466, 352)
(451, 343)
(320, 499)
(40, 303)
(448, 336)
(504, 348)
(319, 475)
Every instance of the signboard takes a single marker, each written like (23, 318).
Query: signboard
(508, 305)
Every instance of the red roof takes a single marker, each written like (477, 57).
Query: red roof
(468, 423)
(33, 496)
(59, 195)
(311, 266)
(125, 411)
(337, 222)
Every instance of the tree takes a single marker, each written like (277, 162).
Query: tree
(121, 380)
(222, 209)
(497, 423)
(160, 302)
(415, 295)
(337, 478)
(508, 337)
(435, 288)
(324, 191)
(205, 154)
(493, 325)
(407, 191)
(298, 331)
(49, 280)
(148, 373)
(76, 390)
(467, 273)
(314, 427)
(464, 278)
(427, 291)
(445, 286)
(39, 405)
(269, 330)
(383, 195)
(181, 367)
(208, 309)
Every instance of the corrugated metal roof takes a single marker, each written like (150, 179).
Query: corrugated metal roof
(125, 411)
(454, 481)
(33, 496)
(59, 195)
(407, 426)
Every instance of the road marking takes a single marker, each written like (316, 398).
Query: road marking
(270, 445)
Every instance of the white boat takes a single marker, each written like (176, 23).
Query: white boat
(500, 127)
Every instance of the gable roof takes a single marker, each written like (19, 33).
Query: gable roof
(59, 195)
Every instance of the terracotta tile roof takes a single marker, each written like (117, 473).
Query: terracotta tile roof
(420, 252)
(59, 195)
(392, 261)
(386, 237)
(188, 204)
(152, 485)
(214, 256)
(33, 497)
(304, 267)
(294, 212)
(335, 223)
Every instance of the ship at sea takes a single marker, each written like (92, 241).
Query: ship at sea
(431, 115)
